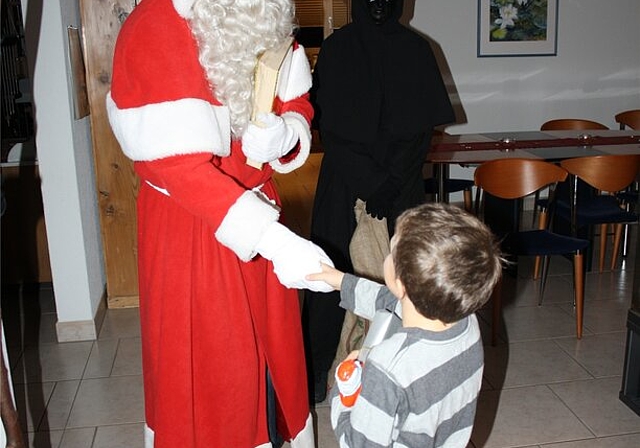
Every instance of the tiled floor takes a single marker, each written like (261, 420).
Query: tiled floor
(542, 387)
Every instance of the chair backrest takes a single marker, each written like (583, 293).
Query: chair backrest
(610, 173)
(568, 124)
(629, 119)
(517, 178)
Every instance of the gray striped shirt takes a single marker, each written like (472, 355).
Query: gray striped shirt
(419, 387)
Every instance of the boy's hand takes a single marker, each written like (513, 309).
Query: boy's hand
(351, 356)
(329, 275)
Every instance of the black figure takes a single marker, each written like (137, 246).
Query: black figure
(378, 94)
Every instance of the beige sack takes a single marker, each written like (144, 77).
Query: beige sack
(368, 248)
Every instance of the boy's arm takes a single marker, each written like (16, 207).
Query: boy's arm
(364, 297)
(357, 294)
(372, 419)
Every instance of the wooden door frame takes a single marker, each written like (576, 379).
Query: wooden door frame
(116, 182)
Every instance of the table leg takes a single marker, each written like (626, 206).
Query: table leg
(442, 175)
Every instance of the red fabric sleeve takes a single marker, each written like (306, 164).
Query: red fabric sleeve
(195, 183)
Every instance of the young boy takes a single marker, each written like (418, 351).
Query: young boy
(420, 386)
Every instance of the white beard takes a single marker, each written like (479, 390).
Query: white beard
(231, 34)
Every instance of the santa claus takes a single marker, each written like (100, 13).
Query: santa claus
(219, 314)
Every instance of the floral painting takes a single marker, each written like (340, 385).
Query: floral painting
(518, 20)
(517, 27)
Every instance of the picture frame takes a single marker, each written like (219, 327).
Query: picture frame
(517, 28)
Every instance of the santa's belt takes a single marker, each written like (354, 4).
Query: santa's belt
(165, 192)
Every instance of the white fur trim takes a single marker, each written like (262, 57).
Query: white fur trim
(295, 76)
(284, 74)
(149, 437)
(185, 126)
(245, 223)
(183, 7)
(299, 124)
(305, 438)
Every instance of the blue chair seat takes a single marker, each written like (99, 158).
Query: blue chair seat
(596, 210)
(541, 242)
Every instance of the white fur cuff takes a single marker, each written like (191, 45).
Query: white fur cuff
(299, 124)
(245, 223)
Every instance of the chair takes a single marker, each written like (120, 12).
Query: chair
(629, 119)
(569, 124)
(452, 186)
(628, 199)
(562, 124)
(608, 175)
(516, 179)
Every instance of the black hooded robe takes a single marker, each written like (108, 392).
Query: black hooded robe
(378, 93)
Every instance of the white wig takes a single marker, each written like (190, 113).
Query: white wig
(231, 34)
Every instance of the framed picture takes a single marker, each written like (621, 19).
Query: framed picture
(517, 27)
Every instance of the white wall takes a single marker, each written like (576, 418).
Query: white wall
(595, 74)
(65, 159)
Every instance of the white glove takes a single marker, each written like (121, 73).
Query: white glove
(268, 139)
(293, 258)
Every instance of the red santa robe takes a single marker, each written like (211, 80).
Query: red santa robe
(214, 316)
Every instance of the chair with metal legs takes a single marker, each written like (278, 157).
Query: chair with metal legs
(452, 186)
(516, 179)
(608, 175)
(629, 119)
(540, 205)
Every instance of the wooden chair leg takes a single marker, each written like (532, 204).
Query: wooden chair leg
(542, 224)
(603, 245)
(617, 238)
(468, 205)
(578, 279)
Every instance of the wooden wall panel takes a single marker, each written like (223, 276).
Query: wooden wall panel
(310, 12)
(330, 14)
(340, 11)
(117, 183)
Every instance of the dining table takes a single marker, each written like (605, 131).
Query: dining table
(469, 150)
(473, 149)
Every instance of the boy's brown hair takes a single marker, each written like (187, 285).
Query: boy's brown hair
(447, 259)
